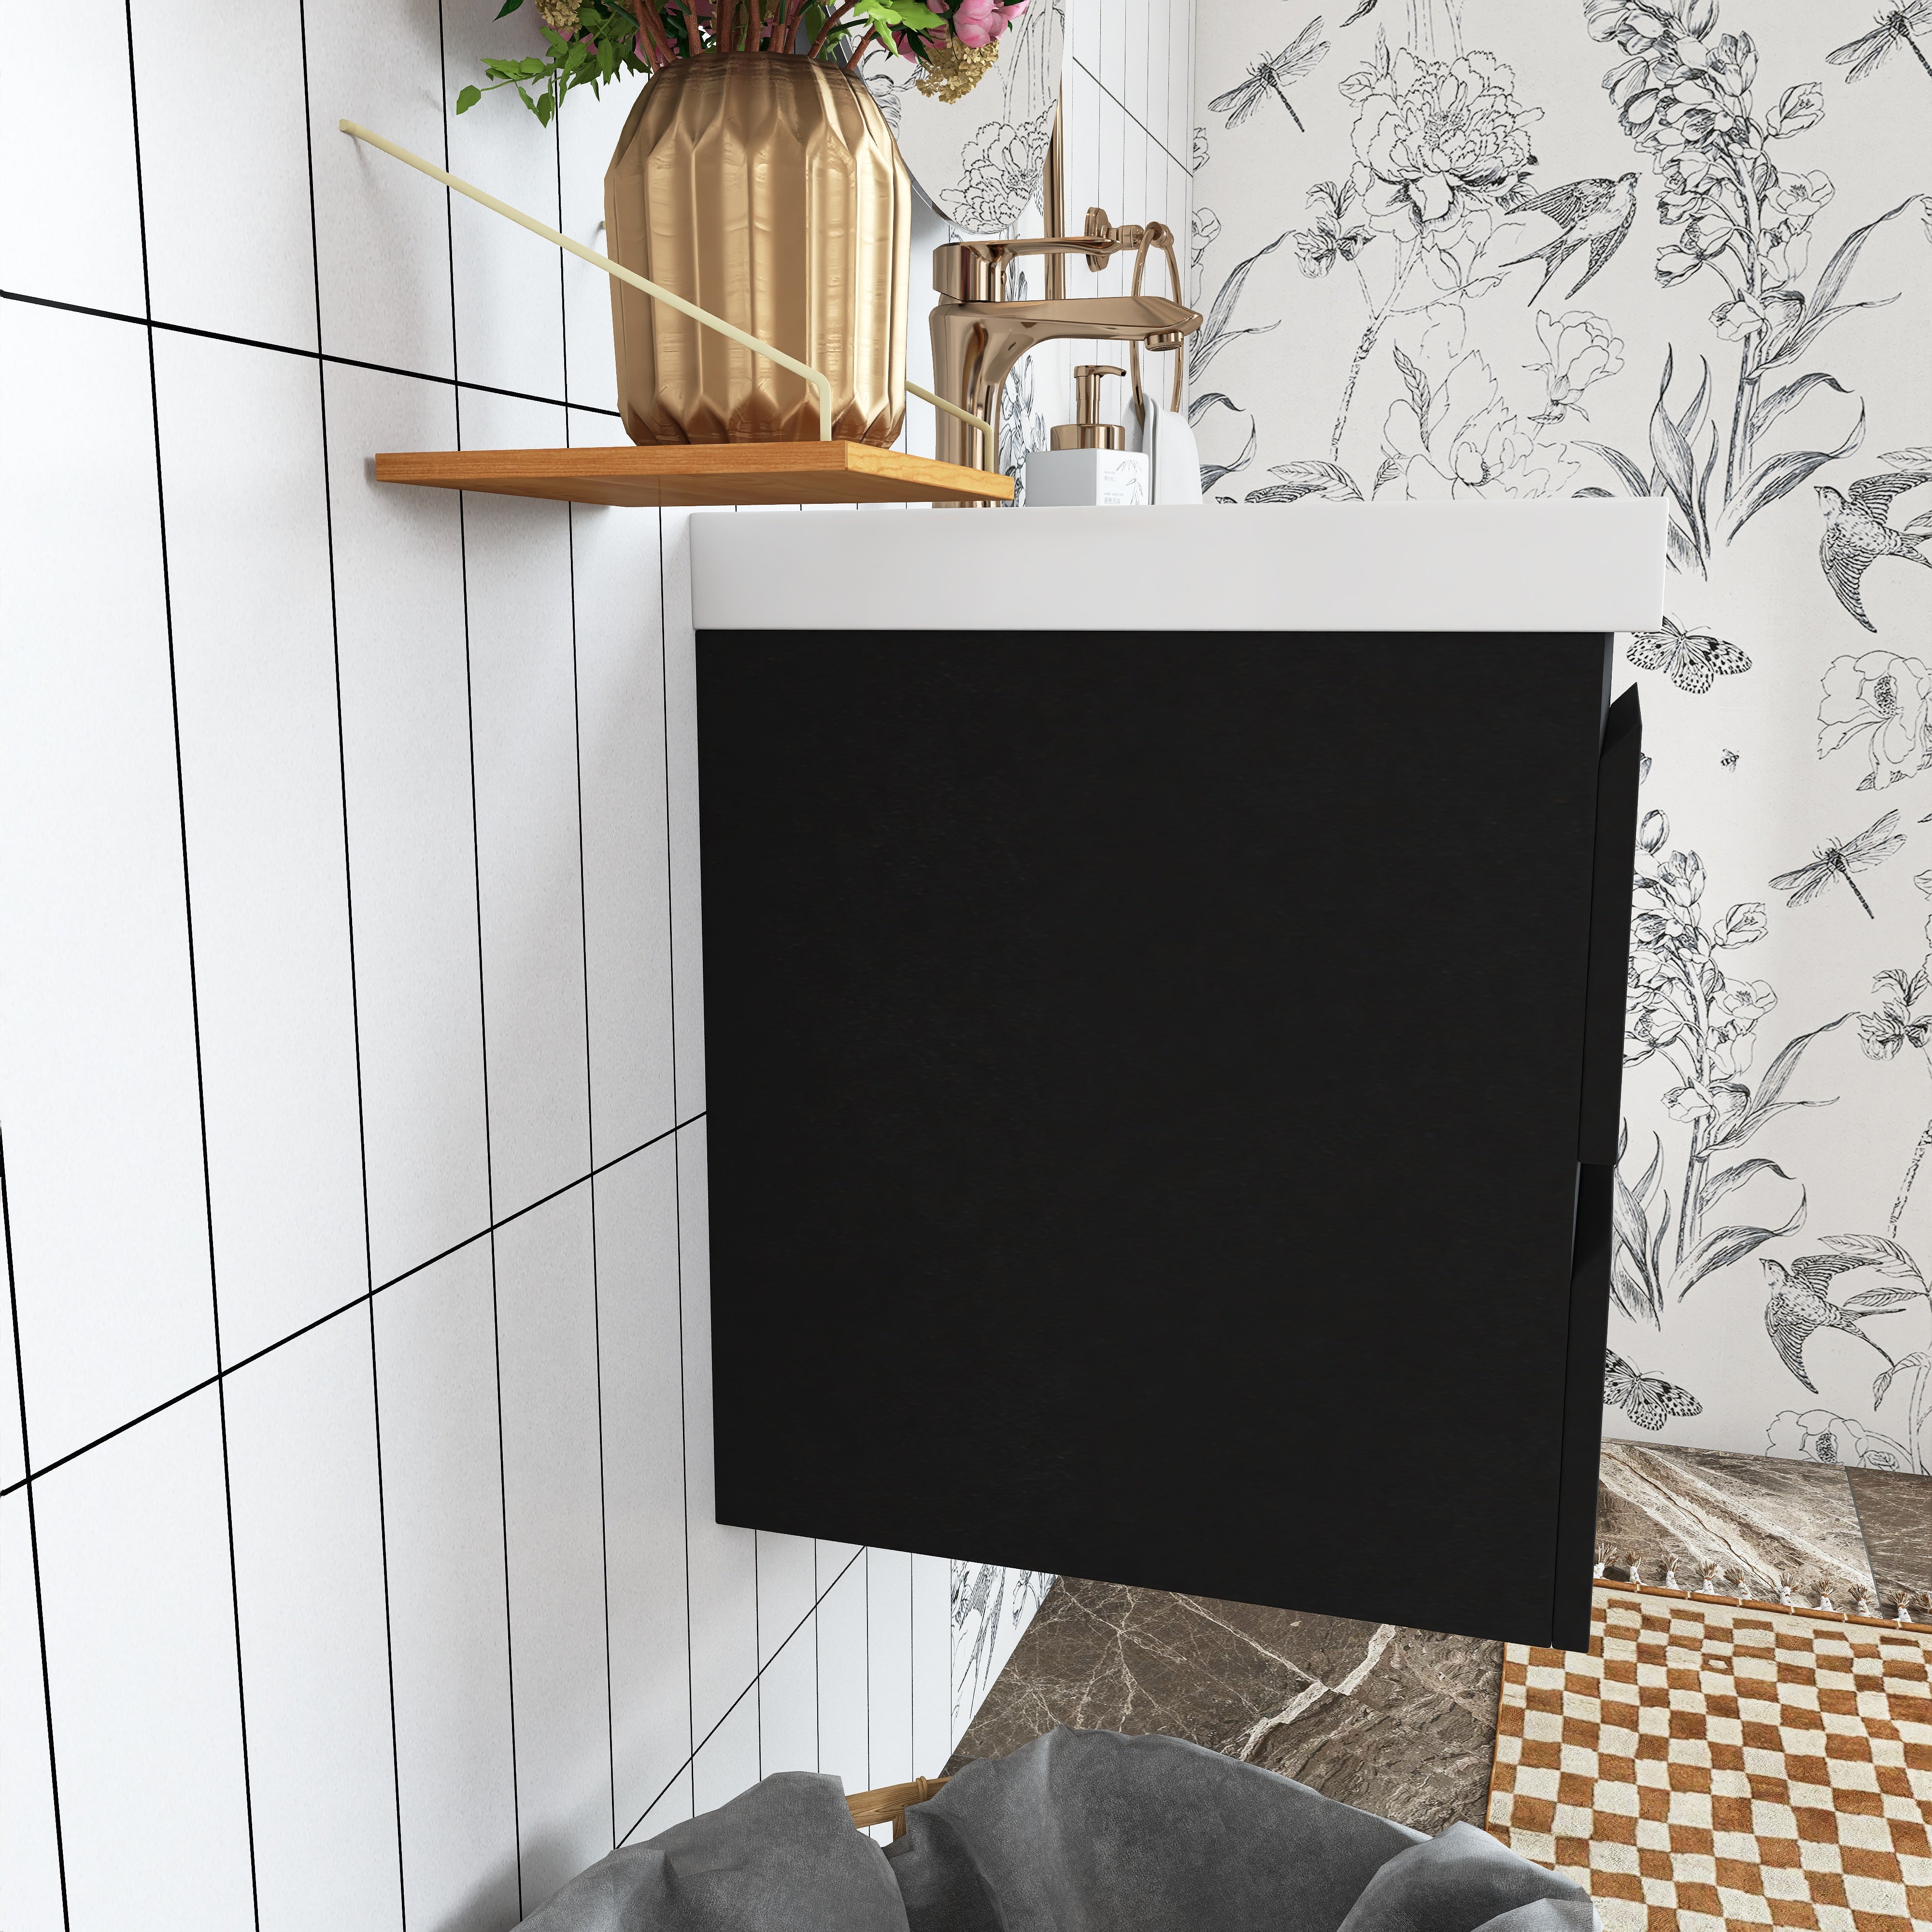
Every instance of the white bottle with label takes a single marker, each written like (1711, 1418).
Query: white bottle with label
(1088, 463)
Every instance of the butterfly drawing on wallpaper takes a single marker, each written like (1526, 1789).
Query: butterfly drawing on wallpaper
(1833, 861)
(1273, 75)
(1649, 1401)
(1693, 659)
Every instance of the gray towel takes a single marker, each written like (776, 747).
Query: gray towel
(781, 1857)
(1465, 1881)
(1090, 1832)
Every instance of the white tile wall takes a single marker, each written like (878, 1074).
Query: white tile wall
(350, 973)
(315, 1639)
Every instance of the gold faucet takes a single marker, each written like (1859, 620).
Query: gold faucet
(978, 335)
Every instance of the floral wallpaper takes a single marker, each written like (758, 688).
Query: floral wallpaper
(1449, 249)
(977, 154)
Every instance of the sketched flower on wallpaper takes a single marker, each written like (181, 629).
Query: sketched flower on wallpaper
(1580, 350)
(978, 159)
(1685, 96)
(1883, 1036)
(1462, 438)
(1883, 702)
(1333, 238)
(1391, 313)
(1817, 1435)
(1687, 1010)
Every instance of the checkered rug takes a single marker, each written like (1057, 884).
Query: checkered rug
(1713, 1763)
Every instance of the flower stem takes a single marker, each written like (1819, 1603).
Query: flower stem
(1363, 350)
(1911, 1175)
(1690, 1210)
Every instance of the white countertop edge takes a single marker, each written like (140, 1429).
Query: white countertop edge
(1596, 564)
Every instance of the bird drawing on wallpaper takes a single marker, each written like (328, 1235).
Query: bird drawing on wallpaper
(1897, 27)
(1692, 659)
(1832, 860)
(1649, 1401)
(1798, 1307)
(1859, 532)
(1273, 75)
(1596, 213)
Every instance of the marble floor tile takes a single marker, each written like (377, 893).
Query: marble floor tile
(1402, 1722)
(1760, 1519)
(1397, 1721)
(1895, 1514)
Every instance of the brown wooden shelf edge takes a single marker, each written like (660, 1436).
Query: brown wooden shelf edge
(692, 475)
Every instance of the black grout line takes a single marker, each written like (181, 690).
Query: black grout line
(309, 354)
(355, 993)
(483, 1024)
(589, 1077)
(677, 1173)
(241, 1362)
(810, 1618)
(194, 983)
(33, 1530)
(1153, 140)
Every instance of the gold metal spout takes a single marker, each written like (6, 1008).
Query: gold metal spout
(978, 336)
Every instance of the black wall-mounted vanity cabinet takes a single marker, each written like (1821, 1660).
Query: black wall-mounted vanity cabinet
(1164, 977)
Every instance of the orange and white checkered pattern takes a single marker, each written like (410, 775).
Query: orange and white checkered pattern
(1713, 1764)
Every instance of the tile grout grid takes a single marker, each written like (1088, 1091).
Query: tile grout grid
(28, 1483)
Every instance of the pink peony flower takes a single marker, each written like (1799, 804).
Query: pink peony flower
(978, 23)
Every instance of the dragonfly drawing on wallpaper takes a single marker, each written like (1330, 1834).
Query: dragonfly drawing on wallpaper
(1274, 74)
(1739, 219)
(1688, 1010)
(1833, 860)
(1897, 27)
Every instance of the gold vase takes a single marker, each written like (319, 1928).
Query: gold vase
(768, 189)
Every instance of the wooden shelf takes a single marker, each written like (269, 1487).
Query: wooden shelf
(686, 475)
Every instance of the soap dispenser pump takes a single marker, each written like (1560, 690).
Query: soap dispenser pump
(1088, 462)
(1084, 432)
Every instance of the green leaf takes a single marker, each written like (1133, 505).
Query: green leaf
(1820, 313)
(1778, 476)
(1416, 383)
(1672, 453)
(509, 7)
(1775, 404)
(468, 99)
(1876, 1251)
(1633, 479)
(1764, 1103)
(1879, 1300)
(1721, 1184)
(1720, 1249)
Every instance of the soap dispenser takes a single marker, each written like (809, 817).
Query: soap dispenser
(1088, 462)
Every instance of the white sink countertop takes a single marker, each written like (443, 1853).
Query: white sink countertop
(1595, 564)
